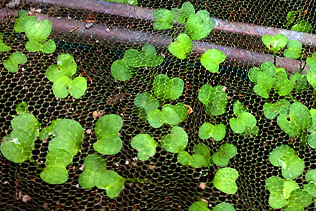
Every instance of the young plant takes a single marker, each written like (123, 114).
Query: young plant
(245, 123)
(123, 69)
(271, 110)
(301, 25)
(225, 180)
(223, 154)
(12, 62)
(145, 145)
(217, 132)
(286, 157)
(166, 88)
(310, 187)
(61, 76)
(3, 47)
(202, 206)
(201, 157)
(106, 130)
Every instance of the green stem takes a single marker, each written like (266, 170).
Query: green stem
(35, 163)
(274, 58)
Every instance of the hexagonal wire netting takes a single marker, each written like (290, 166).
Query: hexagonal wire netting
(121, 27)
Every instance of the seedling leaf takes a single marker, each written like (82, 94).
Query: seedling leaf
(199, 206)
(60, 87)
(311, 61)
(282, 85)
(163, 19)
(294, 49)
(111, 181)
(198, 161)
(169, 115)
(108, 144)
(20, 22)
(54, 175)
(145, 145)
(300, 82)
(311, 77)
(176, 141)
(108, 124)
(184, 158)
(290, 17)
(274, 43)
(22, 108)
(120, 71)
(208, 130)
(302, 26)
(224, 180)
(237, 125)
(3, 47)
(12, 62)
(182, 47)
(155, 118)
(37, 31)
(223, 207)
(277, 200)
(67, 64)
(211, 59)
(78, 87)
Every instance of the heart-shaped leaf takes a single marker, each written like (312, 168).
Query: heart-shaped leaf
(111, 181)
(274, 43)
(145, 145)
(78, 87)
(182, 47)
(12, 62)
(224, 180)
(211, 59)
(199, 25)
(217, 132)
(163, 19)
(60, 86)
(294, 49)
(176, 141)
(37, 31)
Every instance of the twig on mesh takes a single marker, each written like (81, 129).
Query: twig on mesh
(86, 74)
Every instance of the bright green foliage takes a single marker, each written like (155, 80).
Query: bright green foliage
(3, 47)
(176, 141)
(269, 76)
(163, 19)
(184, 158)
(201, 157)
(298, 200)
(296, 121)
(310, 178)
(56, 161)
(214, 98)
(61, 75)
(169, 114)
(217, 132)
(225, 180)
(245, 123)
(37, 33)
(299, 81)
(302, 26)
(146, 102)
(19, 22)
(286, 157)
(274, 43)
(182, 15)
(106, 129)
(211, 59)
(69, 136)
(294, 49)
(224, 206)
(12, 62)
(311, 78)
(182, 47)
(290, 17)
(22, 108)
(199, 25)
(271, 110)
(280, 190)
(111, 181)
(50, 130)
(166, 88)
(120, 70)
(130, 2)
(226, 151)
(145, 145)
(18, 145)
(199, 206)
(312, 130)
(311, 61)
(94, 164)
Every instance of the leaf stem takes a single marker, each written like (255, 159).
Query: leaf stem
(274, 58)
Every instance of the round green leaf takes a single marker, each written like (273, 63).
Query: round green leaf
(161, 85)
(11, 63)
(299, 198)
(311, 77)
(25, 122)
(60, 86)
(33, 46)
(145, 145)
(142, 99)
(274, 184)
(274, 43)
(224, 180)
(155, 118)
(163, 19)
(228, 149)
(175, 89)
(87, 179)
(108, 124)
(176, 141)
(184, 158)
(224, 206)
(67, 64)
(288, 187)
(197, 161)
(248, 119)
(237, 125)
(78, 87)
(310, 188)
(37, 31)
(201, 149)
(108, 144)
(169, 115)
(69, 146)
(54, 175)
(111, 181)
(53, 73)
(120, 71)
(238, 108)
(311, 61)
(49, 46)
(178, 15)
(294, 49)
(302, 26)
(211, 59)
(277, 200)
(253, 74)
(293, 169)
(282, 154)
(220, 159)
(206, 130)
(199, 25)
(219, 132)
(199, 206)
(182, 47)
(310, 176)
(58, 157)
(181, 110)
(188, 10)
(69, 130)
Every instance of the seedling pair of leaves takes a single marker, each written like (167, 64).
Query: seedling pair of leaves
(61, 75)
(287, 193)
(223, 154)
(202, 206)
(201, 157)
(96, 174)
(174, 142)
(37, 33)
(214, 99)
(245, 123)
(270, 77)
(286, 157)
(3, 47)
(123, 69)
(68, 136)
(301, 25)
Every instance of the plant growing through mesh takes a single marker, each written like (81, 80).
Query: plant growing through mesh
(301, 25)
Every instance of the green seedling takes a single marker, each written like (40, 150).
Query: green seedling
(183, 14)
(300, 82)
(163, 19)
(298, 200)
(269, 76)
(169, 114)
(130, 2)
(311, 61)
(201, 157)
(176, 141)
(217, 132)
(214, 99)
(211, 59)
(245, 123)
(166, 88)
(280, 191)
(297, 121)
(224, 206)
(20, 19)
(182, 47)
(202, 206)
(49, 131)
(145, 102)
(312, 130)
(225, 180)
(106, 130)
(301, 25)
(12, 62)
(310, 178)
(18, 145)
(274, 43)
(271, 110)
(286, 157)
(123, 69)
(294, 49)
(3, 47)
(55, 171)
(61, 76)
(223, 154)
(22, 108)
(145, 145)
